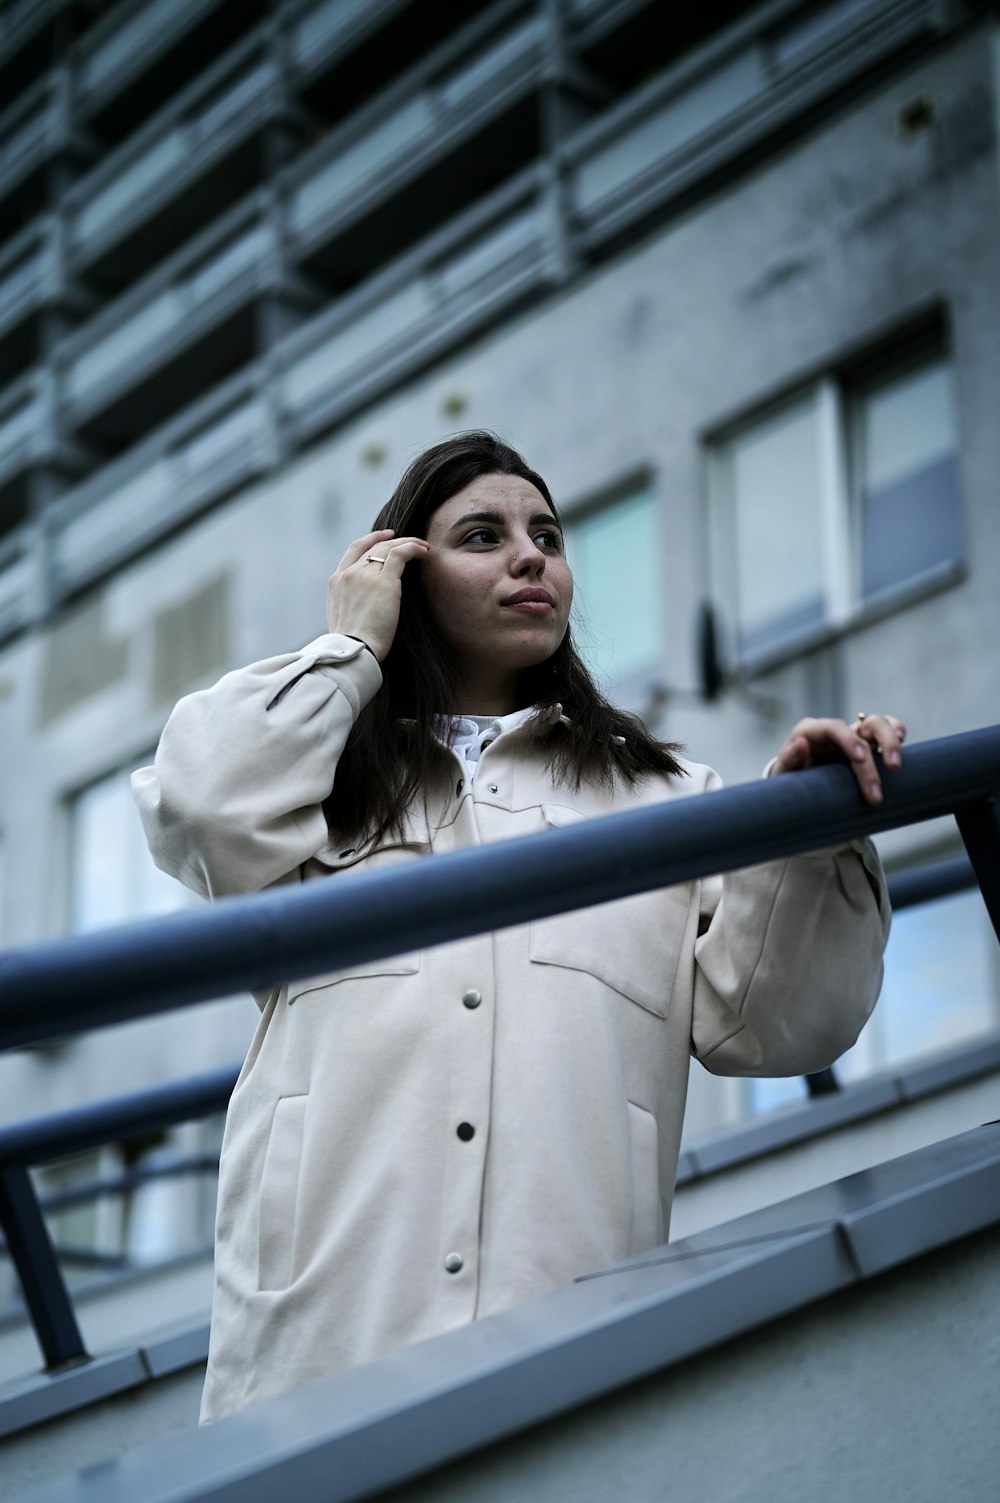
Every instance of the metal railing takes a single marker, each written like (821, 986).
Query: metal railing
(85, 982)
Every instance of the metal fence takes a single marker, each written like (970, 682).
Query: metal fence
(85, 982)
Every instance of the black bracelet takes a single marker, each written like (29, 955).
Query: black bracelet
(361, 640)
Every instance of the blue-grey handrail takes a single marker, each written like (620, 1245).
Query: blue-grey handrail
(259, 941)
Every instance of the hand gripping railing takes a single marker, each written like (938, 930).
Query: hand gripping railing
(54, 989)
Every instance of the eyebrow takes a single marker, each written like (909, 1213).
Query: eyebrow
(540, 519)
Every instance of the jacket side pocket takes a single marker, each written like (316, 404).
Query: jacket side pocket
(278, 1192)
(647, 1214)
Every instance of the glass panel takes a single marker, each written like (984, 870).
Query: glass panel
(112, 876)
(617, 568)
(134, 337)
(476, 76)
(815, 28)
(357, 163)
(237, 429)
(322, 23)
(491, 251)
(358, 342)
(941, 988)
(223, 110)
(129, 37)
(131, 184)
(910, 511)
(687, 115)
(227, 265)
(771, 477)
(25, 278)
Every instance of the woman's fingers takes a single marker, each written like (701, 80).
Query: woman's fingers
(364, 594)
(361, 546)
(814, 741)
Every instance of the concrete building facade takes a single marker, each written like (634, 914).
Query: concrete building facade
(730, 284)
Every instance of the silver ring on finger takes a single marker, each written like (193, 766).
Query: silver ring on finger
(373, 558)
(859, 722)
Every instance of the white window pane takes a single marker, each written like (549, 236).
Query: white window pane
(112, 876)
(908, 426)
(771, 476)
(910, 516)
(615, 557)
(941, 988)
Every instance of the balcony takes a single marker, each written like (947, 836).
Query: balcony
(17, 582)
(34, 131)
(29, 35)
(487, 264)
(213, 448)
(29, 272)
(454, 128)
(25, 441)
(343, 52)
(139, 55)
(190, 324)
(706, 113)
(186, 166)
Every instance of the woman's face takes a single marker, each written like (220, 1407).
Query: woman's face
(496, 581)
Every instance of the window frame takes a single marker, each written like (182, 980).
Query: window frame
(836, 392)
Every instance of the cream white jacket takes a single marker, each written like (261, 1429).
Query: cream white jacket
(418, 1142)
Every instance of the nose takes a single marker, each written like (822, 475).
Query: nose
(528, 560)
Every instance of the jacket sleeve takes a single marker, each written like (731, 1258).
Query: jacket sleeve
(232, 802)
(788, 963)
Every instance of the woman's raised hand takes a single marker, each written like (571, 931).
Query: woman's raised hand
(364, 593)
(814, 741)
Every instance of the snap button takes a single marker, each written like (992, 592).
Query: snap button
(453, 1262)
(465, 1131)
(472, 998)
(494, 788)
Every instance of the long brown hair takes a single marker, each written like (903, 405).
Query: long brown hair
(382, 768)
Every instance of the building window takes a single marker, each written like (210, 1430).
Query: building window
(112, 880)
(840, 499)
(615, 554)
(941, 989)
(112, 877)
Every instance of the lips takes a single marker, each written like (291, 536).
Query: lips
(532, 594)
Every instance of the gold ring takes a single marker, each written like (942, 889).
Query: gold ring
(371, 558)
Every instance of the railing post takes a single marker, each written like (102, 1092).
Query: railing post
(34, 1257)
(979, 827)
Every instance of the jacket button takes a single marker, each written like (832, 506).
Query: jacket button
(494, 788)
(453, 1262)
(465, 1131)
(472, 998)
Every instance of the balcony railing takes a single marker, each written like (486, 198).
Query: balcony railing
(439, 108)
(192, 296)
(123, 44)
(107, 977)
(203, 129)
(727, 97)
(204, 454)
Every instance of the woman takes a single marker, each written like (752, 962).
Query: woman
(419, 1142)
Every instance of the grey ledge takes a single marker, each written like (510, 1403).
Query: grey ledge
(352, 1434)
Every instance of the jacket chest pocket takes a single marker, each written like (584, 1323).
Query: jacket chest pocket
(393, 965)
(632, 945)
(365, 859)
